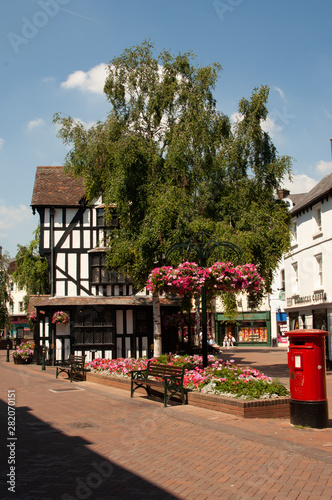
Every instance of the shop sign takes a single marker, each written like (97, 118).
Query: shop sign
(319, 297)
(306, 299)
(302, 300)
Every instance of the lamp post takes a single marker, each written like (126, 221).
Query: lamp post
(202, 246)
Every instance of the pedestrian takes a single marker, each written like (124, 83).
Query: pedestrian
(230, 340)
(225, 342)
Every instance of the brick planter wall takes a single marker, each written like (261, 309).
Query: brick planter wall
(264, 408)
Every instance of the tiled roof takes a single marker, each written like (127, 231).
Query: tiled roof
(55, 188)
(296, 198)
(315, 195)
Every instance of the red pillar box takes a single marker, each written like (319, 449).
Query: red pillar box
(307, 376)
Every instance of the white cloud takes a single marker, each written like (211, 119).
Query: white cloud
(17, 224)
(329, 115)
(10, 216)
(48, 79)
(269, 125)
(281, 93)
(86, 125)
(91, 81)
(301, 183)
(38, 122)
(324, 167)
(272, 128)
(1, 142)
(236, 117)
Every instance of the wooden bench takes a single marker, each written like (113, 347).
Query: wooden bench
(74, 367)
(170, 378)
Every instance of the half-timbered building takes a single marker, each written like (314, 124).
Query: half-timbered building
(107, 316)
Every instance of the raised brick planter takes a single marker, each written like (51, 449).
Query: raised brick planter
(259, 408)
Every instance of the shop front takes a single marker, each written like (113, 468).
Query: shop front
(248, 329)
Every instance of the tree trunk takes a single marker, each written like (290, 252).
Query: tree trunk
(157, 340)
(198, 319)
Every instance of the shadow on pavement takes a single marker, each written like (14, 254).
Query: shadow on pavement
(50, 465)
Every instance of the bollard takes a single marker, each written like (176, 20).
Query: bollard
(7, 358)
(43, 358)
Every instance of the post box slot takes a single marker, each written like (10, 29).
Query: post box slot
(304, 345)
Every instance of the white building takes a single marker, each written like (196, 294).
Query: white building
(307, 280)
(277, 297)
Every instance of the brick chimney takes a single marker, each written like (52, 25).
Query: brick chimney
(283, 193)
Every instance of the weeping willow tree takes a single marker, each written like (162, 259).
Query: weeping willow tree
(173, 165)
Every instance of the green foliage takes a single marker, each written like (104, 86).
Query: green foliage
(31, 271)
(173, 165)
(5, 296)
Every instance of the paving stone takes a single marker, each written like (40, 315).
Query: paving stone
(98, 443)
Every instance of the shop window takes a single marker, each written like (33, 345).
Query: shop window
(253, 331)
(294, 321)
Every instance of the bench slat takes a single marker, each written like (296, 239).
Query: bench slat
(169, 377)
(73, 366)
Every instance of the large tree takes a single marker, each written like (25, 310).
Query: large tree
(174, 166)
(31, 271)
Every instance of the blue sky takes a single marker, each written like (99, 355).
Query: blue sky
(53, 55)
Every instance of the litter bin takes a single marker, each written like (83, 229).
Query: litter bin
(307, 377)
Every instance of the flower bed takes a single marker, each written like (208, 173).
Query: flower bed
(218, 378)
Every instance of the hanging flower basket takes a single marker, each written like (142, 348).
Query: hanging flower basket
(173, 320)
(32, 319)
(60, 318)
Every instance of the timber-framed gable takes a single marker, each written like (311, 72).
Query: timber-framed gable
(107, 318)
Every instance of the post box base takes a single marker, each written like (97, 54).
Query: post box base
(309, 413)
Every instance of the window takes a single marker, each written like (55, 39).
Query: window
(94, 327)
(112, 219)
(294, 231)
(319, 270)
(282, 280)
(20, 306)
(295, 278)
(317, 220)
(100, 275)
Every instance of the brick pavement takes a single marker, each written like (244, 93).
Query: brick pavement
(82, 440)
